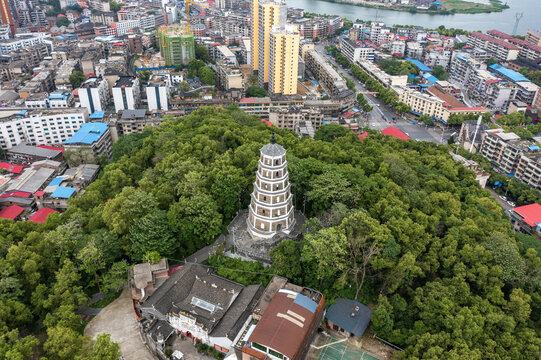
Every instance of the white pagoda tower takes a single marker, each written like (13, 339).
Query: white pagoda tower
(271, 208)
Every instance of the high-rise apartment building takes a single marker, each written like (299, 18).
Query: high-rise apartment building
(271, 13)
(284, 60)
(254, 41)
(177, 44)
(7, 11)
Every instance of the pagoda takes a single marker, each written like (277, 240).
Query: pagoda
(271, 210)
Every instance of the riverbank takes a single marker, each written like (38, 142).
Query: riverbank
(448, 7)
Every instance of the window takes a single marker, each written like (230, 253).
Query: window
(256, 345)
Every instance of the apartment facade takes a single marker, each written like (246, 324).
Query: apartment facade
(126, 93)
(501, 49)
(157, 95)
(94, 94)
(39, 127)
(355, 52)
(503, 149)
(271, 13)
(284, 54)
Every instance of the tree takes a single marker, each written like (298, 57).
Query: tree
(366, 238)
(195, 220)
(255, 91)
(440, 73)
(105, 349)
(286, 260)
(329, 132)
(115, 277)
(92, 261)
(144, 76)
(328, 250)
(152, 257)
(253, 81)
(184, 86)
(76, 79)
(115, 6)
(63, 343)
(13, 347)
(151, 233)
(492, 61)
(207, 75)
(62, 21)
(202, 53)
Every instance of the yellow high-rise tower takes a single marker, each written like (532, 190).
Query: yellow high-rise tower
(271, 12)
(284, 60)
(254, 40)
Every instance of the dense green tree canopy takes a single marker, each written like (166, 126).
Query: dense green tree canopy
(397, 223)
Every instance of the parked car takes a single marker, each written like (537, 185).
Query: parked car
(511, 203)
(503, 198)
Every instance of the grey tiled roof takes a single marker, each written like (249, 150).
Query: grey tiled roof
(193, 280)
(273, 150)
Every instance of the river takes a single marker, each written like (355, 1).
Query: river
(503, 21)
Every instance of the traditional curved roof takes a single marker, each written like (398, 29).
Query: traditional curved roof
(273, 150)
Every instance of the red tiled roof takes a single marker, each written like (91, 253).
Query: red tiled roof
(363, 136)
(531, 214)
(469, 109)
(16, 169)
(500, 34)
(392, 131)
(40, 216)
(349, 114)
(269, 124)
(39, 193)
(11, 212)
(22, 194)
(493, 40)
(246, 100)
(51, 148)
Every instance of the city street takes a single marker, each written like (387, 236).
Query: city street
(381, 117)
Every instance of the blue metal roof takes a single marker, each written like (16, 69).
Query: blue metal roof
(533, 147)
(462, 57)
(350, 315)
(89, 133)
(508, 73)
(97, 115)
(420, 65)
(431, 78)
(56, 181)
(59, 95)
(306, 303)
(63, 192)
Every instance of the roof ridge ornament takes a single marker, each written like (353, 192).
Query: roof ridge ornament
(273, 139)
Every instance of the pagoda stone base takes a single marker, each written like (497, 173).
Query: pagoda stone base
(258, 249)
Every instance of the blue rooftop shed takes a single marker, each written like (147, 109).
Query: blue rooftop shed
(349, 317)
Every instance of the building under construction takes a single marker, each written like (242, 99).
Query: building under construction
(176, 45)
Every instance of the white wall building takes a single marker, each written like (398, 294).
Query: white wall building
(40, 127)
(94, 94)
(157, 95)
(126, 93)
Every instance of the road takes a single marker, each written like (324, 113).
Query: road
(381, 117)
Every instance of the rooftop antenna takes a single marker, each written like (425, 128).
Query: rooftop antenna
(273, 140)
(518, 16)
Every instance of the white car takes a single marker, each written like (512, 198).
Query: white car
(503, 198)
(511, 203)
(373, 124)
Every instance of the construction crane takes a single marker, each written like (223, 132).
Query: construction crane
(187, 6)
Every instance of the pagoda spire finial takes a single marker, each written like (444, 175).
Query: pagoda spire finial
(273, 139)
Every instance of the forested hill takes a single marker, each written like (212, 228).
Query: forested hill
(393, 222)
